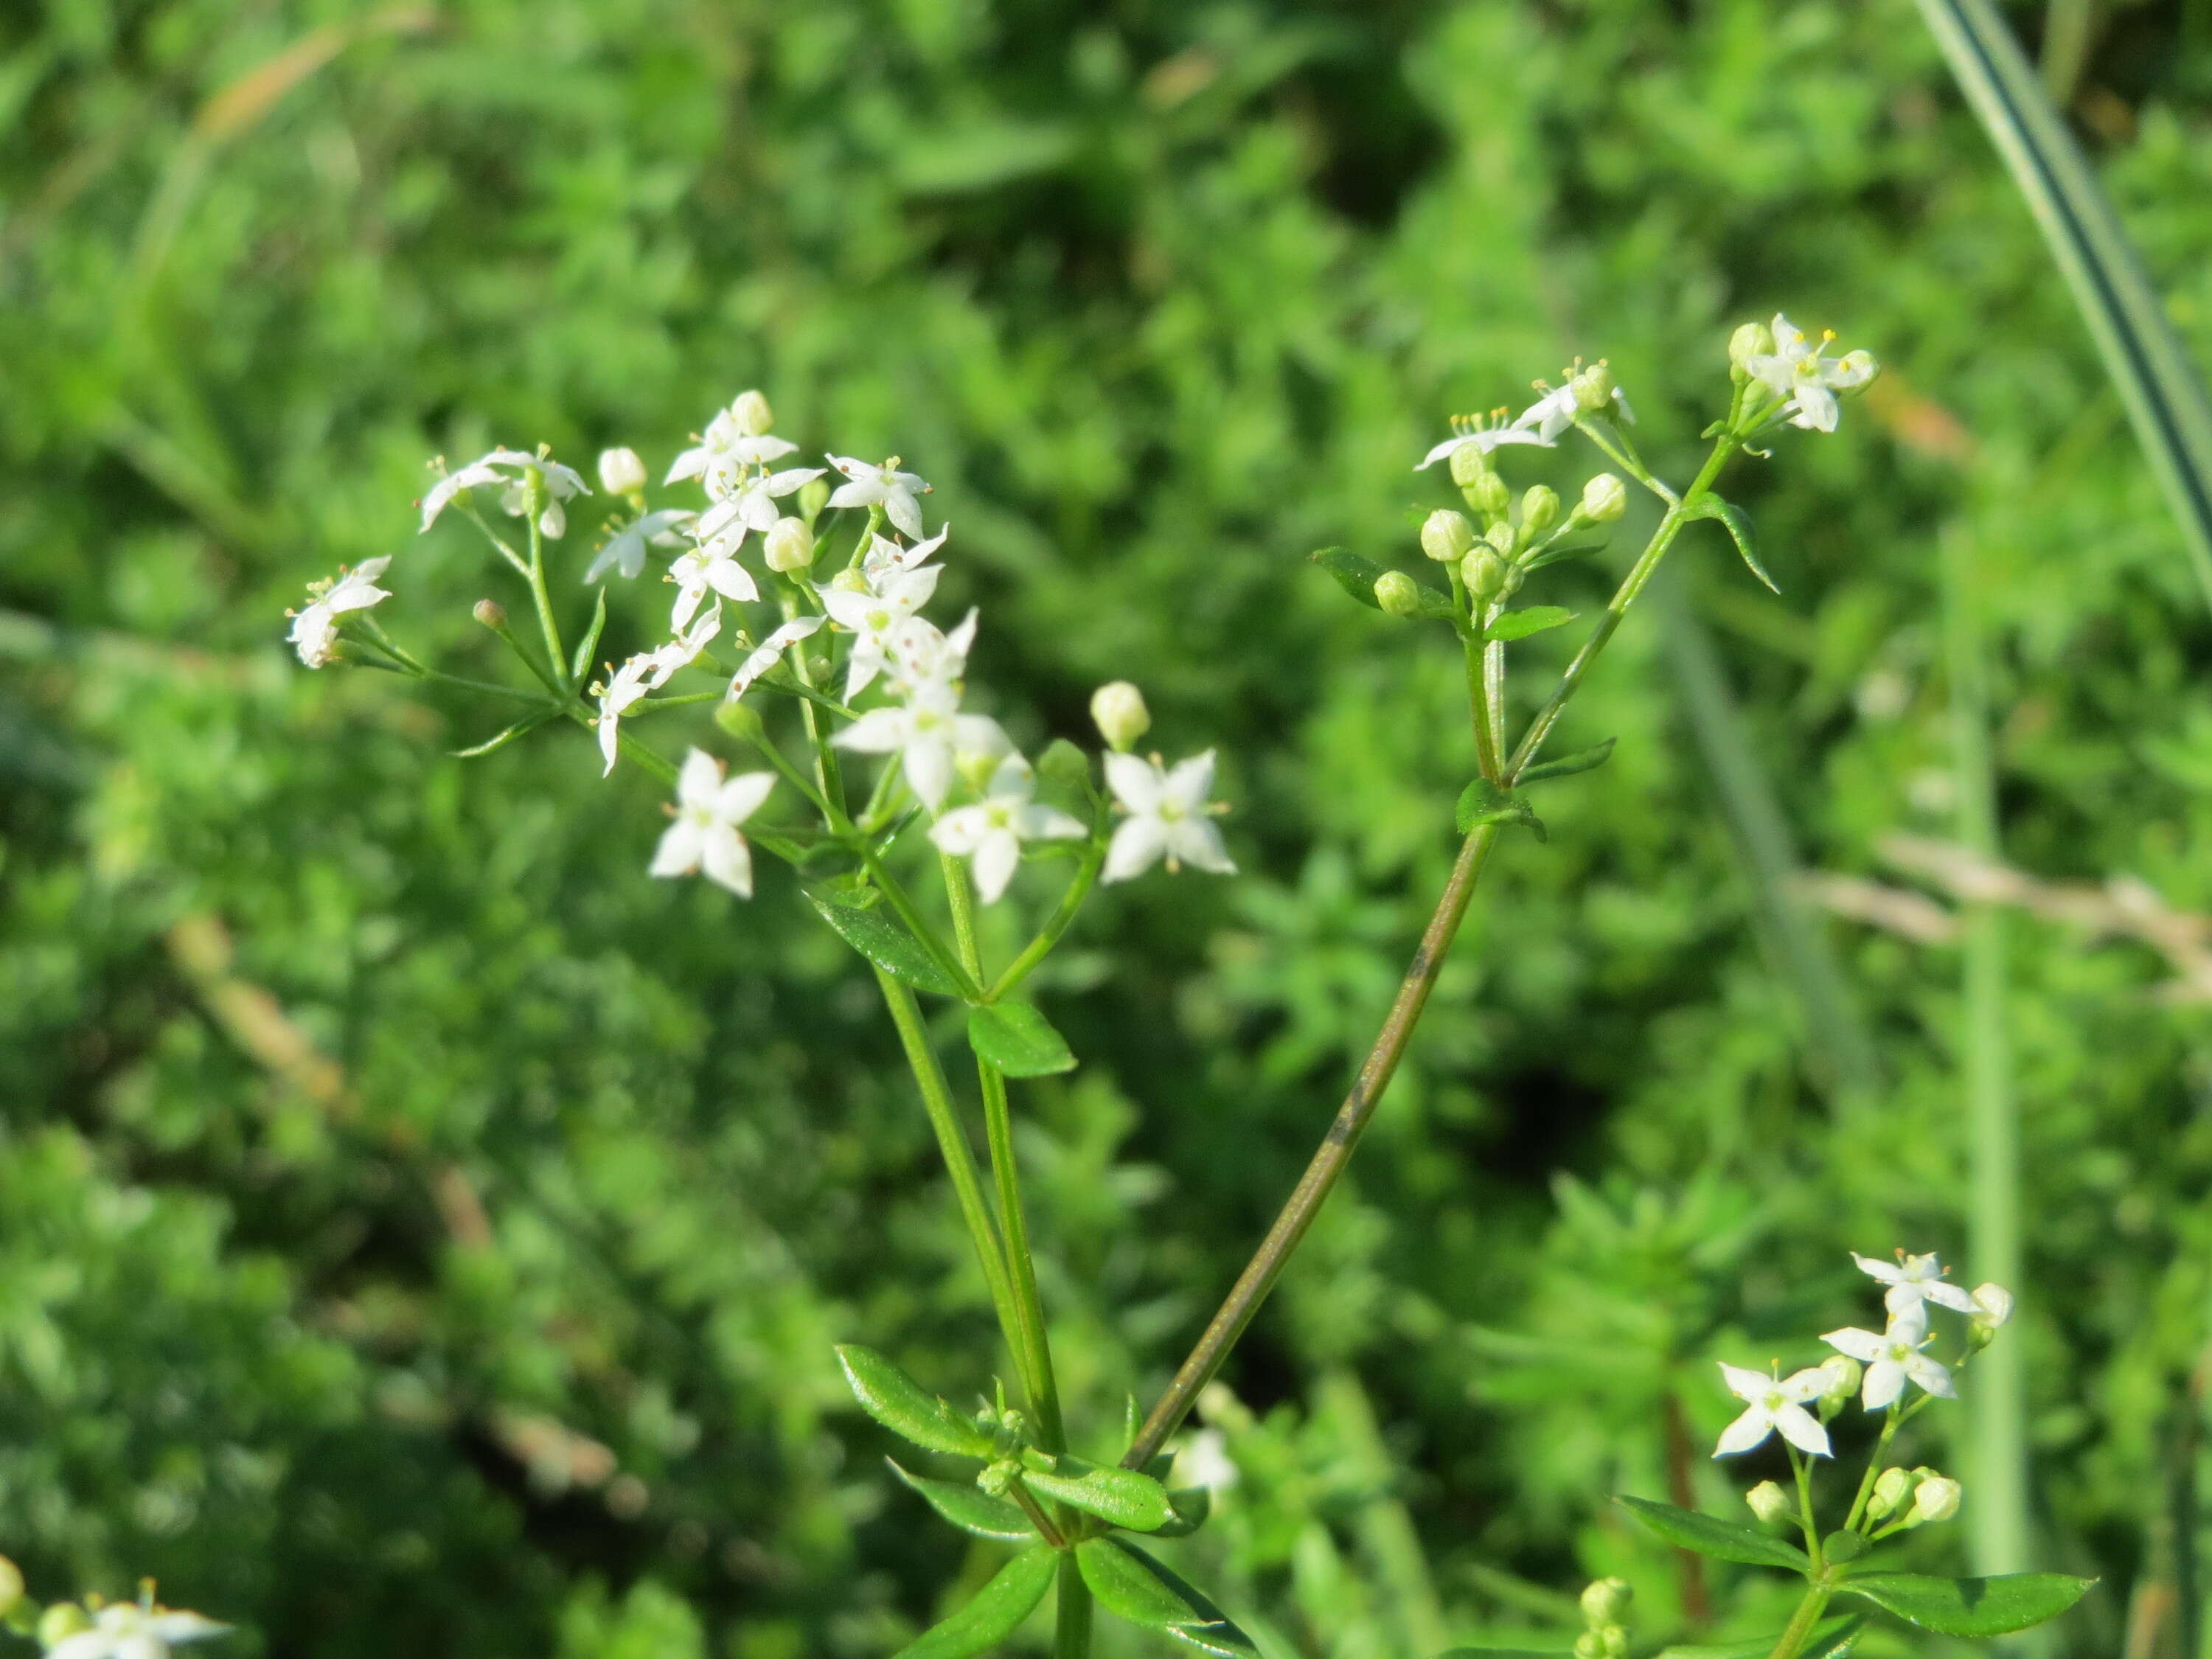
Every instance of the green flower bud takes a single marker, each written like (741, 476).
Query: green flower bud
(1484, 573)
(1398, 593)
(849, 581)
(1491, 497)
(1446, 536)
(1540, 509)
(1751, 340)
(813, 496)
(61, 1621)
(1768, 1502)
(1614, 1639)
(742, 721)
(1934, 1499)
(1469, 465)
(1889, 1493)
(1119, 710)
(11, 1586)
(1605, 498)
(788, 545)
(997, 1478)
(1992, 1305)
(621, 472)
(1589, 1645)
(751, 415)
(1593, 389)
(1844, 1373)
(1505, 538)
(491, 613)
(1063, 763)
(1605, 1601)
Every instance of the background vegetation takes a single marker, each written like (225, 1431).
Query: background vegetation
(418, 1231)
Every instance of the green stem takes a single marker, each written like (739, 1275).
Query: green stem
(902, 905)
(1071, 1626)
(959, 1160)
(1797, 1465)
(1889, 1427)
(1036, 950)
(998, 1132)
(1799, 1631)
(554, 652)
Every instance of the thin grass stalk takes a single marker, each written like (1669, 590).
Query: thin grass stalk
(2069, 30)
(1998, 1524)
(2164, 394)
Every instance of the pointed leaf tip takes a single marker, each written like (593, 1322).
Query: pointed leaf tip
(906, 1409)
(1971, 1607)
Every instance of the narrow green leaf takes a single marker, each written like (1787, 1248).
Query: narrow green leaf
(590, 642)
(1191, 1504)
(1130, 1585)
(1121, 1496)
(1832, 1638)
(2164, 393)
(969, 1508)
(1567, 765)
(527, 723)
(1738, 524)
(1971, 1607)
(1506, 1653)
(885, 944)
(1729, 1540)
(1354, 575)
(1483, 802)
(1530, 619)
(1018, 1040)
(903, 1406)
(993, 1614)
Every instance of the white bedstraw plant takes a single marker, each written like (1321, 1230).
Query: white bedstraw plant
(847, 744)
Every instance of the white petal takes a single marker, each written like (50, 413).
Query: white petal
(729, 861)
(1885, 1381)
(609, 736)
(1033, 823)
(741, 797)
(1889, 1272)
(183, 1627)
(879, 732)
(851, 467)
(979, 738)
(901, 510)
(1197, 842)
(1449, 446)
(1745, 1384)
(1930, 1376)
(1135, 848)
(700, 780)
(731, 579)
(996, 860)
(1802, 1430)
(1138, 784)
(1816, 407)
(553, 522)
(1190, 781)
(1860, 1345)
(864, 493)
(1749, 1430)
(1807, 1384)
(1945, 1294)
(689, 464)
(678, 854)
(961, 831)
(783, 484)
(929, 769)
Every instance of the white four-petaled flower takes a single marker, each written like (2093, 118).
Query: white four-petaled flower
(558, 483)
(876, 618)
(624, 553)
(1800, 370)
(749, 503)
(931, 736)
(1772, 1404)
(127, 1630)
(704, 835)
(1894, 1357)
(712, 568)
(728, 442)
(1912, 1280)
(1169, 817)
(1555, 411)
(315, 630)
(648, 671)
(867, 484)
(990, 832)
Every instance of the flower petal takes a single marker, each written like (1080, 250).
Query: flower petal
(1860, 1345)
(1802, 1430)
(1749, 1429)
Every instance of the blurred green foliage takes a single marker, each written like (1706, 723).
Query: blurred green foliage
(418, 1230)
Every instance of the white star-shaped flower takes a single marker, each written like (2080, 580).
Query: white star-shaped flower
(867, 484)
(1483, 438)
(1169, 817)
(1772, 1403)
(648, 672)
(1800, 370)
(875, 618)
(624, 553)
(127, 1630)
(1894, 1357)
(1915, 1279)
(559, 483)
(922, 654)
(885, 556)
(315, 628)
(764, 656)
(990, 832)
(709, 569)
(749, 503)
(932, 737)
(730, 438)
(709, 810)
(1555, 411)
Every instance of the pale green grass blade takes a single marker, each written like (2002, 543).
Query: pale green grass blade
(2164, 394)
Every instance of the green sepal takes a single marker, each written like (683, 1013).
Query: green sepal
(1018, 1040)
(1971, 1607)
(1121, 1496)
(527, 723)
(1130, 1585)
(969, 1508)
(1566, 766)
(1530, 619)
(1707, 1535)
(891, 947)
(993, 1612)
(1483, 802)
(906, 1409)
(1191, 1504)
(1738, 523)
(590, 642)
(1832, 1638)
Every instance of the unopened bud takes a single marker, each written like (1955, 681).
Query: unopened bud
(1446, 535)
(1934, 1499)
(813, 496)
(751, 415)
(1889, 1493)
(788, 545)
(1540, 509)
(1992, 1305)
(1589, 1645)
(1751, 340)
(849, 581)
(1505, 538)
(1768, 1502)
(742, 721)
(1063, 763)
(1843, 1374)
(1397, 593)
(997, 1478)
(1605, 498)
(1469, 465)
(61, 1621)
(1593, 389)
(1490, 496)
(11, 1586)
(621, 472)
(1605, 1601)
(491, 613)
(1118, 708)
(1484, 573)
